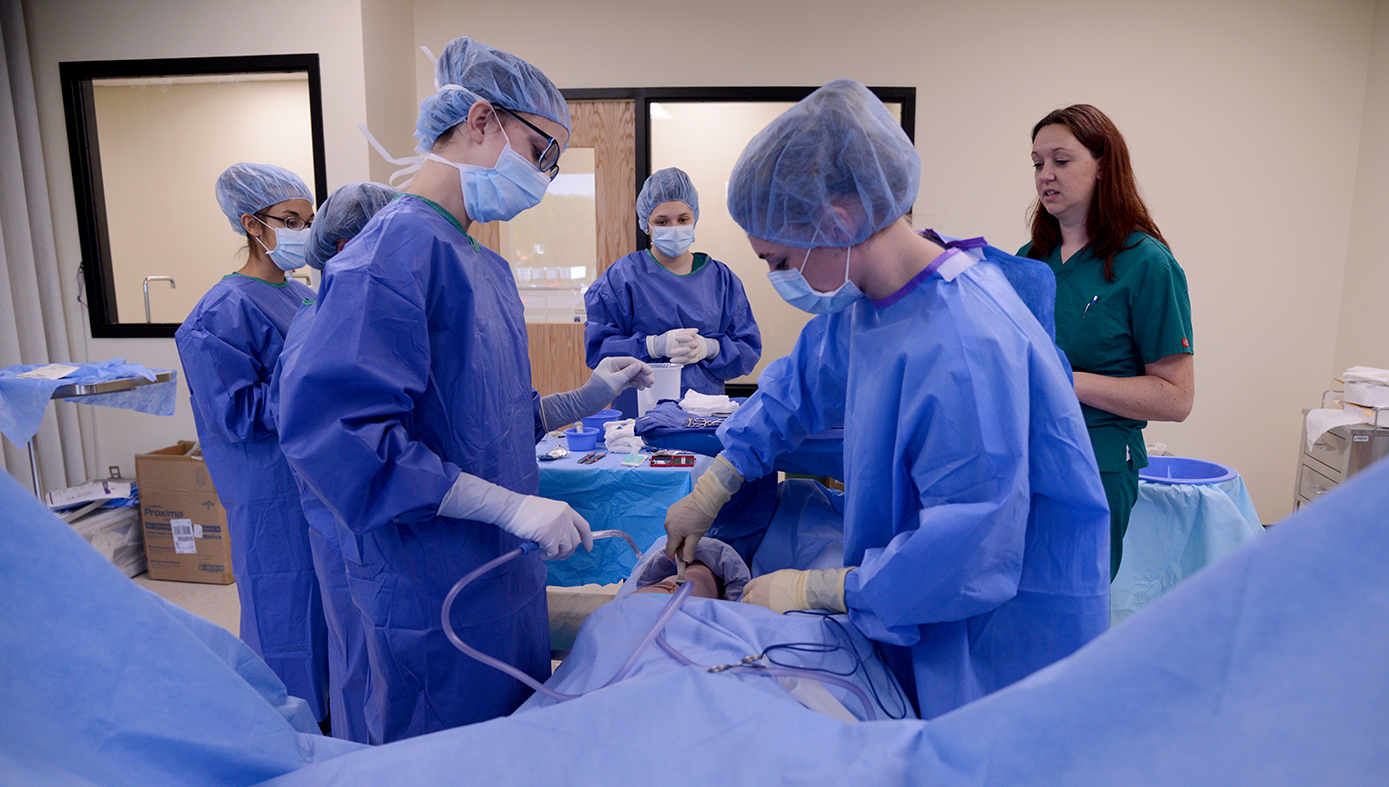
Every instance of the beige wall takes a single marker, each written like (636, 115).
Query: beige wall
(1363, 331)
(1246, 120)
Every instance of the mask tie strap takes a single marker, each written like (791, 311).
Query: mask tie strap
(410, 164)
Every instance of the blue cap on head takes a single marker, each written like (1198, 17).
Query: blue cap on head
(247, 188)
(342, 216)
(839, 147)
(469, 72)
(664, 186)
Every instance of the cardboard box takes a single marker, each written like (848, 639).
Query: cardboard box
(185, 525)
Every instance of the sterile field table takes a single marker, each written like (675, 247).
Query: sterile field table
(611, 497)
(24, 399)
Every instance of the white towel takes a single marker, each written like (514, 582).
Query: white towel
(1366, 374)
(707, 405)
(621, 437)
(1321, 421)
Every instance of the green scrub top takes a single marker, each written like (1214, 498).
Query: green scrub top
(1115, 328)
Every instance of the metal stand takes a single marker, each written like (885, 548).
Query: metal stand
(80, 390)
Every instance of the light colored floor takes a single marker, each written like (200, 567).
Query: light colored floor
(217, 603)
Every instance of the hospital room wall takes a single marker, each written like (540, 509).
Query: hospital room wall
(64, 30)
(1364, 327)
(1244, 120)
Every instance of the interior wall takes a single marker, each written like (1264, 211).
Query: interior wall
(63, 30)
(389, 57)
(1363, 333)
(1243, 118)
(206, 127)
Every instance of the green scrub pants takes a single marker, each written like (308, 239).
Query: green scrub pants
(1121, 490)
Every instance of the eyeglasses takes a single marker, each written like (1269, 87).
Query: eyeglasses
(549, 158)
(290, 222)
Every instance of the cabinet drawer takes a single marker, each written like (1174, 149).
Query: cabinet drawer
(1331, 450)
(1312, 484)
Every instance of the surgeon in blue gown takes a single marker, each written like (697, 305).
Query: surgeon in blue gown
(229, 346)
(346, 211)
(975, 525)
(408, 409)
(669, 304)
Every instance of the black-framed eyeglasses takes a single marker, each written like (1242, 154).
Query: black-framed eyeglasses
(549, 158)
(290, 222)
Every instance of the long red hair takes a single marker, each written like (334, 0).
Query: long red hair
(1116, 209)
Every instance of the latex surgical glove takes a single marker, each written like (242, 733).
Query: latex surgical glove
(690, 517)
(664, 345)
(789, 589)
(700, 348)
(613, 376)
(556, 527)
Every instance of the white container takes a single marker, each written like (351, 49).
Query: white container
(667, 386)
(1367, 394)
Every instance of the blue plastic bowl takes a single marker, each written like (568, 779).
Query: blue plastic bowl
(584, 439)
(1180, 470)
(600, 419)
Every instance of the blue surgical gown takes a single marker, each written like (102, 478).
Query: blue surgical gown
(637, 297)
(229, 346)
(413, 367)
(349, 672)
(974, 510)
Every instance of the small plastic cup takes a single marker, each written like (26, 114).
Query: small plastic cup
(583, 439)
(600, 419)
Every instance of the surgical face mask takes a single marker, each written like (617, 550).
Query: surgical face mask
(501, 192)
(288, 253)
(795, 290)
(673, 241)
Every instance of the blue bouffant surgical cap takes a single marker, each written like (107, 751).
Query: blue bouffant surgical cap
(838, 148)
(664, 186)
(247, 188)
(468, 72)
(342, 216)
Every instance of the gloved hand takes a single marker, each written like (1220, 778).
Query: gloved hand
(789, 589)
(618, 373)
(700, 348)
(665, 345)
(690, 517)
(612, 377)
(556, 527)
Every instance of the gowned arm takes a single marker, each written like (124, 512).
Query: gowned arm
(607, 331)
(798, 395)
(1164, 392)
(348, 400)
(230, 386)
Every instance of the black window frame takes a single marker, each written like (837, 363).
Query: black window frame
(84, 152)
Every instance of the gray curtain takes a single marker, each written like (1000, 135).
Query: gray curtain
(32, 325)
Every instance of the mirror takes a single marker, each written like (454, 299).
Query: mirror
(147, 139)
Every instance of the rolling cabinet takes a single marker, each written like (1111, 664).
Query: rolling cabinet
(1337, 455)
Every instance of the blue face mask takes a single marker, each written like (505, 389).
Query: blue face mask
(288, 253)
(673, 241)
(795, 290)
(501, 192)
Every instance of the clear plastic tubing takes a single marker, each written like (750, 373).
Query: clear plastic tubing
(672, 606)
(788, 672)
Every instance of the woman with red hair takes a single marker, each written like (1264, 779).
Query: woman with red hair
(1123, 316)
